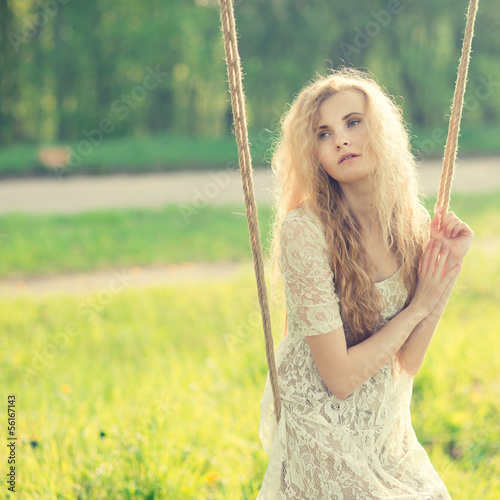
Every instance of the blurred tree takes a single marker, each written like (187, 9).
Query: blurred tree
(150, 66)
(10, 127)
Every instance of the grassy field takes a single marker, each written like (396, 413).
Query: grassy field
(167, 152)
(108, 238)
(155, 394)
(104, 239)
(163, 152)
(128, 393)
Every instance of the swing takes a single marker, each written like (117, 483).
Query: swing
(240, 123)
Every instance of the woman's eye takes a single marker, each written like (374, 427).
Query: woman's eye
(323, 135)
(352, 123)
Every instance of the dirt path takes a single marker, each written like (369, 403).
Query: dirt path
(115, 280)
(196, 189)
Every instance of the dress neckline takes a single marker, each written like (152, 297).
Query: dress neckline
(307, 210)
(389, 278)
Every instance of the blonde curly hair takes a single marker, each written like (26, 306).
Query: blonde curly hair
(302, 182)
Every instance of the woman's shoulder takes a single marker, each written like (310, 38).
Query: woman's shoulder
(302, 223)
(302, 237)
(302, 216)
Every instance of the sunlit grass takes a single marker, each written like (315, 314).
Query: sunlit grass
(105, 239)
(172, 377)
(155, 393)
(113, 238)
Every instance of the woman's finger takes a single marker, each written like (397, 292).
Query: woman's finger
(447, 217)
(435, 223)
(424, 261)
(443, 257)
(433, 259)
(450, 226)
(462, 227)
(451, 274)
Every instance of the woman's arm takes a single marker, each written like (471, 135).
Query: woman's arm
(412, 352)
(458, 236)
(345, 369)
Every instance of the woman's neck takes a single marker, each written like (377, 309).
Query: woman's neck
(361, 201)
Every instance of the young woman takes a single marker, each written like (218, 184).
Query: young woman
(367, 277)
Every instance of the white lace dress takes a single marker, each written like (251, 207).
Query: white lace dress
(362, 447)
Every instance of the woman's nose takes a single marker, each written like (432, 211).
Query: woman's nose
(341, 142)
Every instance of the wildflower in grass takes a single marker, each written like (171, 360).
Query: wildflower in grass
(212, 478)
(66, 388)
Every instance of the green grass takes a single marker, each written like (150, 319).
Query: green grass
(143, 394)
(130, 393)
(153, 371)
(162, 152)
(169, 152)
(108, 238)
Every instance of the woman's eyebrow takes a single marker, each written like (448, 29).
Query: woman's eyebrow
(343, 119)
(353, 113)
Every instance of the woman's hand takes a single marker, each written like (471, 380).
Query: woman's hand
(439, 269)
(453, 233)
(433, 277)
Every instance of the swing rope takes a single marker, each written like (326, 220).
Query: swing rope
(451, 147)
(240, 124)
(233, 63)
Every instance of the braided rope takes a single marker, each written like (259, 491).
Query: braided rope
(233, 63)
(450, 151)
(240, 123)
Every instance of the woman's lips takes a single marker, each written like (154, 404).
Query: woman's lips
(347, 157)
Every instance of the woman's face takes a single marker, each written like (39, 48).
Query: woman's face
(341, 136)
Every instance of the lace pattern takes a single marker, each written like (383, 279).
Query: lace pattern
(310, 293)
(357, 448)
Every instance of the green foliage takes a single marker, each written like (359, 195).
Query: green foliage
(68, 70)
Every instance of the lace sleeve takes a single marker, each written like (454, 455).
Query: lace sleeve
(312, 304)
